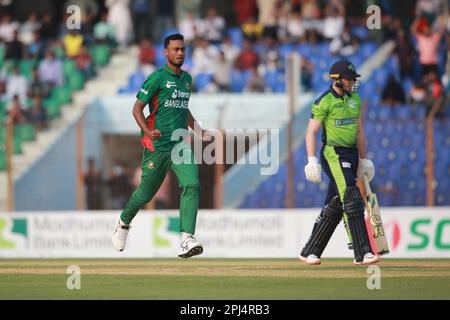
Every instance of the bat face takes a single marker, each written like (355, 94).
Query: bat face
(376, 225)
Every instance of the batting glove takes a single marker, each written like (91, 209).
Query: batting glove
(313, 170)
(366, 167)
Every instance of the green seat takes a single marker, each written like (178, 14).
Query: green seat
(9, 66)
(25, 132)
(76, 81)
(59, 52)
(69, 67)
(2, 111)
(2, 160)
(17, 146)
(100, 54)
(26, 67)
(62, 94)
(53, 108)
(2, 136)
(2, 54)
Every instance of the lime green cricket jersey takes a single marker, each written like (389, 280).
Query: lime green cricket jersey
(167, 95)
(339, 117)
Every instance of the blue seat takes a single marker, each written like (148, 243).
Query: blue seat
(135, 80)
(368, 48)
(168, 32)
(237, 81)
(403, 112)
(384, 113)
(271, 79)
(285, 49)
(202, 80)
(236, 36)
(360, 32)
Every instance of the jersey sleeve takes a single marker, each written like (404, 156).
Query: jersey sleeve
(148, 89)
(319, 110)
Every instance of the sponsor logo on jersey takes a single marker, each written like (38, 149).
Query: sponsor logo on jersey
(344, 122)
(170, 84)
(180, 94)
(187, 85)
(144, 91)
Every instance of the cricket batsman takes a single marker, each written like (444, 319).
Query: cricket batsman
(343, 158)
(167, 92)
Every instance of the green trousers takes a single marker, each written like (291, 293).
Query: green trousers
(155, 166)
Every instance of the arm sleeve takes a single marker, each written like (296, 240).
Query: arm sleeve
(148, 89)
(319, 110)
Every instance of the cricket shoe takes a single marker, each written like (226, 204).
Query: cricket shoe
(369, 258)
(119, 237)
(312, 259)
(190, 247)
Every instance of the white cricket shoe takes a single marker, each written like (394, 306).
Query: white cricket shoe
(190, 247)
(119, 237)
(312, 260)
(369, 258)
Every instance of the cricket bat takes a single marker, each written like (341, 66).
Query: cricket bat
(375, 222)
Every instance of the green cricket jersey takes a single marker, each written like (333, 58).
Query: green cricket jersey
(167, 95)
(339, 117)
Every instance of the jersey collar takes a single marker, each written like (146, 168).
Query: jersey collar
(171, 72)
(336, 94)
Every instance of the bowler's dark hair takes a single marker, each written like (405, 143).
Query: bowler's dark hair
(175, 36)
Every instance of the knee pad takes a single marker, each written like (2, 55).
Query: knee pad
(354, 207)
(334, 210)
(353, 202)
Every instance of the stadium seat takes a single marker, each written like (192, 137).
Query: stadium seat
(25, 132)
(202, 80)
(384, 113)
(76, 81)
(238, 80)
(26, 67)
(62, 94)
(52, 107)
(403, 112)
(100, 54)
(135, 81)
(236, 36)
(69, 67)
(3, 163)
(360, 32)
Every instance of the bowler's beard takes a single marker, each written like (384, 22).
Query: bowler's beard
(176, 64)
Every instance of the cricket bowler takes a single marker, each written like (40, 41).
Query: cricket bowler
(167, 92)
(343, 158)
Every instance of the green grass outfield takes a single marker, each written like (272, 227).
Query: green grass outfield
(226, 279)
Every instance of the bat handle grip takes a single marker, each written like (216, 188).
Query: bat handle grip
(367, 185)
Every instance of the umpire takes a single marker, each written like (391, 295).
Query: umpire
(342, 158)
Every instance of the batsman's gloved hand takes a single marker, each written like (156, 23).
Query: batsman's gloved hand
(366, 167)
(313, 170)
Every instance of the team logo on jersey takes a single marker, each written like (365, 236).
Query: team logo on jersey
(150, 165)
(144, 91)
(170, 84)
(346, 165)
(352, 104)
